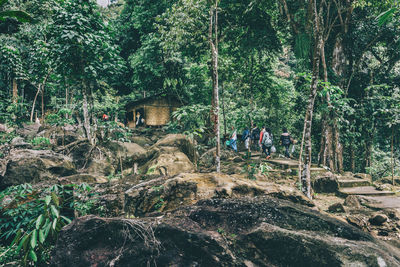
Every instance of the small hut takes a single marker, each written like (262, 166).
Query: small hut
(156, 109)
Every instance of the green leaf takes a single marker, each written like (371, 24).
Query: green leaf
(39, 221)
(384, 17)
(54, 211)
(33, 256)
(55, 199)
(42, 238)
(47, 230)
(21, 16)
(34, 239)
(66, 219)
(54, 224)
(17, 237)
(23, 240)
(48, 199)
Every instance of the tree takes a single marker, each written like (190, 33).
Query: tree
(83, 47)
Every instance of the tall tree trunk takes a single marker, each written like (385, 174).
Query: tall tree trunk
(14, 91)
(215, 103)
(318, 42)
(392, 156)
(34, 103)
(43, 103)
(223, 106)
(66, 99)
(86, 118)
(352, 159)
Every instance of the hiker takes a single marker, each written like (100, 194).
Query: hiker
(261, 136)
(105, 117)
(286, 140)
(233, 139)
(267, 142)
(255, 136)
(139, 120)
(246, 139)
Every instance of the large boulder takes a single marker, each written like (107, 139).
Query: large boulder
(28, 130)
(30, 166)
(167, 161)
(180, 141)
(325, 184)
(163, 194)
(222, 232)
(61, 135)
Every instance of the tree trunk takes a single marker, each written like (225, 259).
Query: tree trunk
(214, 62)
(34, 103)
(43, 103)
(223, 107)
(86, 118)
(352, 159)
(318, 42)
(15, 91)
(392, 157)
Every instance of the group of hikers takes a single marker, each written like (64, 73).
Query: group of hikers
(255, 139)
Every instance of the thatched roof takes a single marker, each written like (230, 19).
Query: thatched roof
(172, 99)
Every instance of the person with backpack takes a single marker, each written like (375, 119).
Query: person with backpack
(286, 140)
(233, 139)
(255, 136)
(261, 136)
(246, 139)
(267, 142)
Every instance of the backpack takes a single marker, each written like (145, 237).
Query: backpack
(286, 140)
(267, 139)
(256, 134)
(245, 135)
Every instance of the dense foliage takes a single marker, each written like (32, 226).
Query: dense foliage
(77, 60)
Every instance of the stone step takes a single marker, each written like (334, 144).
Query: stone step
(381, 202)
(364, 191)
(353, 182)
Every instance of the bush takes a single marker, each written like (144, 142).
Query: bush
(31, 219)
(381, 165)
(41, 142)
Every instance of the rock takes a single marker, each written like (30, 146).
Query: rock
(388, 180)
(384, 187)
(31, 166)
(187, 188)
(353, 202)
(61, 135)
(207, 159)
(84, 178)
(180, 141)
(357, 221)
(378, 219)
(102, 167)
(337, 207)
(325, 184)
(3, 128)
(141, 140)
(364, 176)
(28, 130)
(168, 161)
(19, 142)
(261, 231)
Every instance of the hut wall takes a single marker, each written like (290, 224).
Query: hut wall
(156, 115)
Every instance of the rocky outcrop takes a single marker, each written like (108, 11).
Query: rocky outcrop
(61, 135)
(27, 165)
(261, 231)
(163, 194)
(172, 155)
(325, 184)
